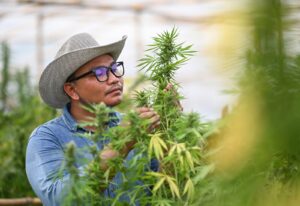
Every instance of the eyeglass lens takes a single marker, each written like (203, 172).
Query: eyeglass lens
(102, 72)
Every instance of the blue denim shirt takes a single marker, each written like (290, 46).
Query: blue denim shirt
(45, 155)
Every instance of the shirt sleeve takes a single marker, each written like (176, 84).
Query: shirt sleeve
(44, 157)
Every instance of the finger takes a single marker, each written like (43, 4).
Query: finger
(157, 124)
(148, 115)
(124, 123)
(143, 109)
(154, 125)
(155, 119)
(154, 122)
(107, 154)
(168, 87)
(178, 104)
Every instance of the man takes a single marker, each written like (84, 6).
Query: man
(82, 72)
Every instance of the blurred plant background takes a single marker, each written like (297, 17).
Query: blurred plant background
(255, 150)
(256, 154)
(21, 111)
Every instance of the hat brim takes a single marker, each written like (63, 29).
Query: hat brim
(56, 73)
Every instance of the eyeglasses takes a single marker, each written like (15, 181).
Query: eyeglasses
(102, 72)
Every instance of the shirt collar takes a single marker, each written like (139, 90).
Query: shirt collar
(72, 124)
(69, 119)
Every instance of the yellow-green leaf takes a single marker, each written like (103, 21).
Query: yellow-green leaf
(181, 160)
(156, 144)
(162, 143)
(155, 174)
(173, 186)
(171, 152)
(189, 189)
(189, 159)
(158, 185)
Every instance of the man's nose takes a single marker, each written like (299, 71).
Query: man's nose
(112, 79)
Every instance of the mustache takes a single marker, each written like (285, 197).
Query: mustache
(113, 88)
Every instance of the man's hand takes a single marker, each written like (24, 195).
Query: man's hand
(151, 115)
(107, 154)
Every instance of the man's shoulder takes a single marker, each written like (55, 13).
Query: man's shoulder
(49, 128)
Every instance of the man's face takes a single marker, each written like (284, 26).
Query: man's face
(90, 90)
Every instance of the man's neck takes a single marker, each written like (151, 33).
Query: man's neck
(81, 115)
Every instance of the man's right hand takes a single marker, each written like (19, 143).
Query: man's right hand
(151, 115)
(107, 154)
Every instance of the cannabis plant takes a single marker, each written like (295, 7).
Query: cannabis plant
(177, 145)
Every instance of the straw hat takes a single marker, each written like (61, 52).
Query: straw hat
(75, 52)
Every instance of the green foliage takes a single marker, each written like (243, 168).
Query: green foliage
(177, 144)
(165, 58)
(5, 75)
(273, 73)
(284, 168)
(21, 112)
(73, 189)
(270, 79)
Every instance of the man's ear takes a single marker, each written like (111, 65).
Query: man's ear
(70, 90)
